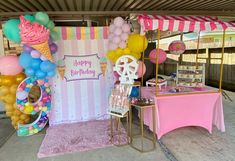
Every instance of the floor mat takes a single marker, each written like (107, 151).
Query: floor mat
(77, 137)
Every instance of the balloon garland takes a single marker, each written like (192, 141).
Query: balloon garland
(122, 42)
(36, 33)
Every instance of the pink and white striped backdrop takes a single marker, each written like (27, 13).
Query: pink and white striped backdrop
(80, 100)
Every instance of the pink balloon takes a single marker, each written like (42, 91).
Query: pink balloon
(161, 58)
(111, 28)
(122, 45)
(9, 65)
(141, 69)
(118, 21)
(116, 40)
(118, 31)
(126, 27)
(112, 46)
(124, 36)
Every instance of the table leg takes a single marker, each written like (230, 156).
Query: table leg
(127, 125)
(154, 126)
(119, 131)
(130, 122)
(111, 127)
(141, 128)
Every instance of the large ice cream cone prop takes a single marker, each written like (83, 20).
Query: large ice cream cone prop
(44, 49)
(61, 71)
(36, 35)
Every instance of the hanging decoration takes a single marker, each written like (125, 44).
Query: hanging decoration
(161, 56)
(177, 47)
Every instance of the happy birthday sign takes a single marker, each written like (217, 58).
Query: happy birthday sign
(82, 67)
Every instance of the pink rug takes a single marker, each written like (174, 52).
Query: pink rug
(77, 137)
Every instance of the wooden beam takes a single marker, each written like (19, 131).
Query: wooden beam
(126, 4)
(7, 5)
(78, 5)
(182, 3)
(115, 13)
(28, 5)
(37, 4)
(70, 4)
(54, 5)
(19, 5)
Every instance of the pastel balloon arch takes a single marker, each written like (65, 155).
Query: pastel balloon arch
(34, 67)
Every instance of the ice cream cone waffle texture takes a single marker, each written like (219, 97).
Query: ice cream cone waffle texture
(44, 49)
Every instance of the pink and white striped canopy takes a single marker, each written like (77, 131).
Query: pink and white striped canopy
(182, 23)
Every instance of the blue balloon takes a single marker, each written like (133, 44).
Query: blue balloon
(51, 73)
(47, 66)
(25, 60)
(40, 74)
(134, 92)
(29, 72)
(35, 63)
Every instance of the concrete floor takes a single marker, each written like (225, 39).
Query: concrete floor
(185, 144)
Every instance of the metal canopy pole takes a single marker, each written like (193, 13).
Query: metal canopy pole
(221, 64)
(198, 42)
(157, 57)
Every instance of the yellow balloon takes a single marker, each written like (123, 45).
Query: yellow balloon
(7, 80)
(9, 107)
(9, 114)
(23, 116)
(27, 120)
(17, 112)
(19, 78)
(126, 51)
(13, 88)
(21, 122)
(111, 56)
(28, 109)
(15, 118)
(119, 51)
(137, 43)
(4, 90)
(10, 98)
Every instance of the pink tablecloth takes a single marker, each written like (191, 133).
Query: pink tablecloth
(173, 112)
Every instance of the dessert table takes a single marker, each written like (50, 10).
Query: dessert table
(185, 109)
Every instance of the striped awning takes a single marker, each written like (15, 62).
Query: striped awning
(182, 23)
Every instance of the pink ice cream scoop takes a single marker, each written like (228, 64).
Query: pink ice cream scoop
(32, 33)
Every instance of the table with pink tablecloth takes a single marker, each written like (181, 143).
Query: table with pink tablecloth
(175, 111)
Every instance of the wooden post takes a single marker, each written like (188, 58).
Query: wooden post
(157, 55)
(221, 64)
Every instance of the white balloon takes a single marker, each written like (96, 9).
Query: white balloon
(111, 28)
(118, 21)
